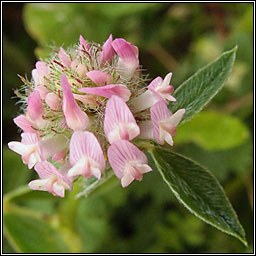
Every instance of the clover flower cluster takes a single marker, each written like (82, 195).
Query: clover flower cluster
(87, 105)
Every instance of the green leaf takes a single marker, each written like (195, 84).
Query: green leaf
(213, 130)
(29, 234)
(198, 190)
(200, 88)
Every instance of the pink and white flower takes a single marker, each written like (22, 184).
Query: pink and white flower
(106, 84)
(85, 155)
(158, 90)
(27, 148)
(51, 179)
(119, 122)
(127, 161)
(34, 150)
(164, 122)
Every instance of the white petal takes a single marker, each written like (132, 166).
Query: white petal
(78, 168)
(39, 184)
(126, 180)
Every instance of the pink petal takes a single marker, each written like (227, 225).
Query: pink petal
(85, 144)
(42, 69)
(24, 124)
(29, 138)
(51, 180)
(86, 155)
(53, 101)
(99, 78)
(125, 50)
(43, 91)
(119, 122)
(108, 52)
(128, 53)
(109, 90)
(127, 161)
(45, 169)
(154, 83)
(59, 156)
(86, 99)
(64, 58)
(83, 44)
(35, 107)
(76, 119)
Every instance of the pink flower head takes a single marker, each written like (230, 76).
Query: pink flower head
(108, 52)
(161, 88)
(85, 155)
(64, 58)
(27, 148)
(76, 119)
(164, 122)
(51, 179)
(127, 161)
(24, 124)
(109, 90)
(35, 109)
(99, 78)
(128, 56)
(119, 123)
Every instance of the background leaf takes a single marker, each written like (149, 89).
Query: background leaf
(213, 130)
(32, 235)
(198, 190)
(200, 88)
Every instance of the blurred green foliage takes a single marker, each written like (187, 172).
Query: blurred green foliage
(145, 217)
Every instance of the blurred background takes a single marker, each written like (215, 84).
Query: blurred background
(145, 217)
